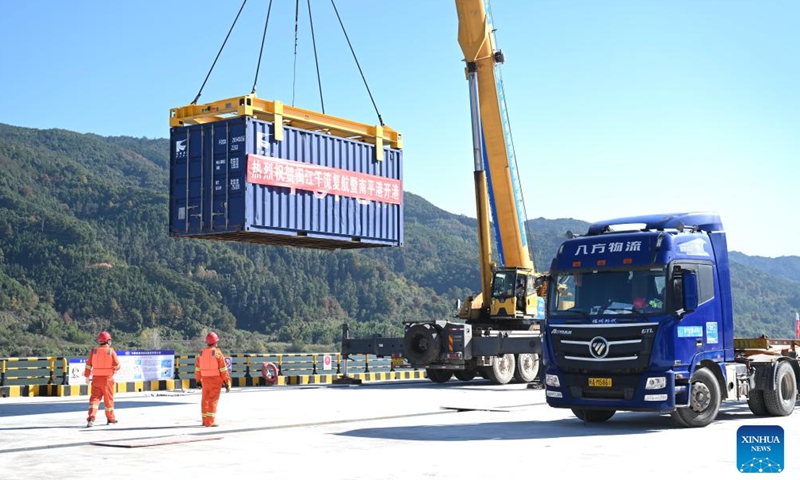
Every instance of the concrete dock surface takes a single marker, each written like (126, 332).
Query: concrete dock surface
(390, 430)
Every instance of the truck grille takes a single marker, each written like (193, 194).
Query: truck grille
(607, 347)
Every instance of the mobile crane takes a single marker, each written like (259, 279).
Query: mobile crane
(497, 334)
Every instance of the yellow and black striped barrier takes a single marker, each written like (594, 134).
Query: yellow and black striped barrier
(50, 374)
(186, 384)
(365, 377)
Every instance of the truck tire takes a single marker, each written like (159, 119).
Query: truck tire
(590, 415)
(438, 376)
(466, 375)
(704, 401)
(780, 402)
(421, 344)
(527, 367)
(755, 400)
(502, 370)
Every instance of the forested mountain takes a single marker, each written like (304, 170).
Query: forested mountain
(84, 246)
(786, 267)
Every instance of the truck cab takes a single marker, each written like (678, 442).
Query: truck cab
(639, 317)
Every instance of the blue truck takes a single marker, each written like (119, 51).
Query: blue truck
(640, 318)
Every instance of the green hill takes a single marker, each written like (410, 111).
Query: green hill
(84, 247)
(786, 267)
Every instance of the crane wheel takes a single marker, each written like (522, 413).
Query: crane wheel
(438, 376)
(466, 375)
(502, 370)
(528, 365)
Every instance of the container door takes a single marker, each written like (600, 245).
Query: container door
(178, 173)
(186, 173)
(226, 196)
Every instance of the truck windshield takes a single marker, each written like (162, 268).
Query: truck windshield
(604, 292)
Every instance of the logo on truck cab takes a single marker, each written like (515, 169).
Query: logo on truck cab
(559, 331)
(610, 247)
(598, 347)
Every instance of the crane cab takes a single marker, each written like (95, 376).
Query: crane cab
(514, 295)
(517, 293)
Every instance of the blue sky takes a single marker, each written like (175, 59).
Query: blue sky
(617, 107)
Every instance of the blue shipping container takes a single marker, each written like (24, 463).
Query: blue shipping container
(231, 180)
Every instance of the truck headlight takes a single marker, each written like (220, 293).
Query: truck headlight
(552, 380)
(656, 383)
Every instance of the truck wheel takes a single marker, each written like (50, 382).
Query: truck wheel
(780, 402)
(502, 370)
(466, 375)
(704, 401)
(527, 367)
(438, 376)
(589, 415)
(755, 400)
(421, 344)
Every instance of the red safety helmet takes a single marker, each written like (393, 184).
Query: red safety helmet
(211, 338)
(104, 337)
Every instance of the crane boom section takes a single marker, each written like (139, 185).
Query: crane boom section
(477, 43)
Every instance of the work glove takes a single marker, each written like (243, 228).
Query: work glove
(228, 387)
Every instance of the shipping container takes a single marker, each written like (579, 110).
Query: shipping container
(232, 180)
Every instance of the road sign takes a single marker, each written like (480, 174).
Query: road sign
(327, 362)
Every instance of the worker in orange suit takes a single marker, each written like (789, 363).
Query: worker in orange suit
(211, 374)
(99, 373)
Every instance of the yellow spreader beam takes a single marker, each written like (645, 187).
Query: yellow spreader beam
(280, 114)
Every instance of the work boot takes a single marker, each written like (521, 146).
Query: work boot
(90, 423)
(111, 422)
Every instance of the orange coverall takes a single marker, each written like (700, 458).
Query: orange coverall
(210, 368)
(102, 364)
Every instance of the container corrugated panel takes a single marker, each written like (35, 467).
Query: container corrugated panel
(231, 180)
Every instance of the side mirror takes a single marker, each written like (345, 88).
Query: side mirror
(690, 295)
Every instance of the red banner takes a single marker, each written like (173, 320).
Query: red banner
(796, 325)
(322, 180)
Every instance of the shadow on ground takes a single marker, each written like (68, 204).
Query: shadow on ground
(19, 409)
(622, 423)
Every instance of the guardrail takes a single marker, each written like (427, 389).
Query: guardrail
(249, 365)
(45, 371)
(55, 370)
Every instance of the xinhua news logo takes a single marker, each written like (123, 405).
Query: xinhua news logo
(759, 449)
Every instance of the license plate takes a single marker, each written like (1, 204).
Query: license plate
(397, 362)
(600, 382)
